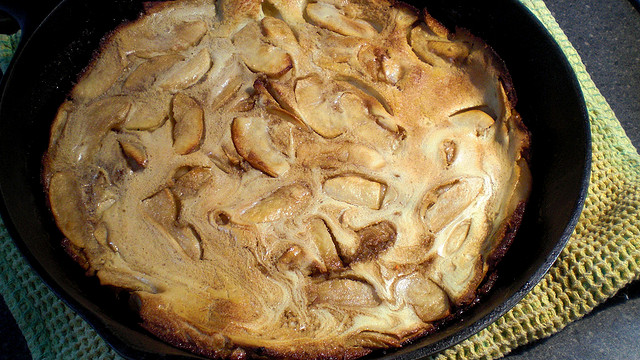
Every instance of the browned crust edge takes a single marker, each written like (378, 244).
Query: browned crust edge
(511, 228)
(177, 335)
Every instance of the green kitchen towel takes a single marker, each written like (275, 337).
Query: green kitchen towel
(602, 256)
(8, 45)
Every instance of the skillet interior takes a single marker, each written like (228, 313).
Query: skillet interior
(549, 101)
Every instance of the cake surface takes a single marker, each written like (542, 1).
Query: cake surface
(289, 178)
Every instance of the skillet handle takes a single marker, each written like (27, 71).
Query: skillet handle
(28, 14)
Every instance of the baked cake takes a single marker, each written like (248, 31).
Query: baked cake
(289, 178)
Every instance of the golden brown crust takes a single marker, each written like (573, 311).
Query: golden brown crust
(290, 179)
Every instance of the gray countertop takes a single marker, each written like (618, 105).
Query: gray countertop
(606, 34)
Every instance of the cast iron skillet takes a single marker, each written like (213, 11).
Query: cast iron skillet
(55, 48)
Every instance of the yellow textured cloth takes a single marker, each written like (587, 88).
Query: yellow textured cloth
(602, 256)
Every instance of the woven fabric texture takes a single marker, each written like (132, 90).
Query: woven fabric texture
(8, 44)
(602, 256)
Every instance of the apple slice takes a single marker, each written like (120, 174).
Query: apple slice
(67, 207)
(296, 258)
(186, 73)
(317, 104)
(344, 292)
(278, 32)
(365, 156)
(449, 50)
(473, 119)
(253, 143)
(445, 202)
(162, 208)
(419, 41)
(269, 103)
(146, 73)
(428, 300)
(260, 56)
(135, 154)
(142, 40)
(433, 49)
(188, 34)
(149, 113)
(284, 202)
(322, 238)
(331, 18)
(355, 190)
(100, 76)
(189, 124)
